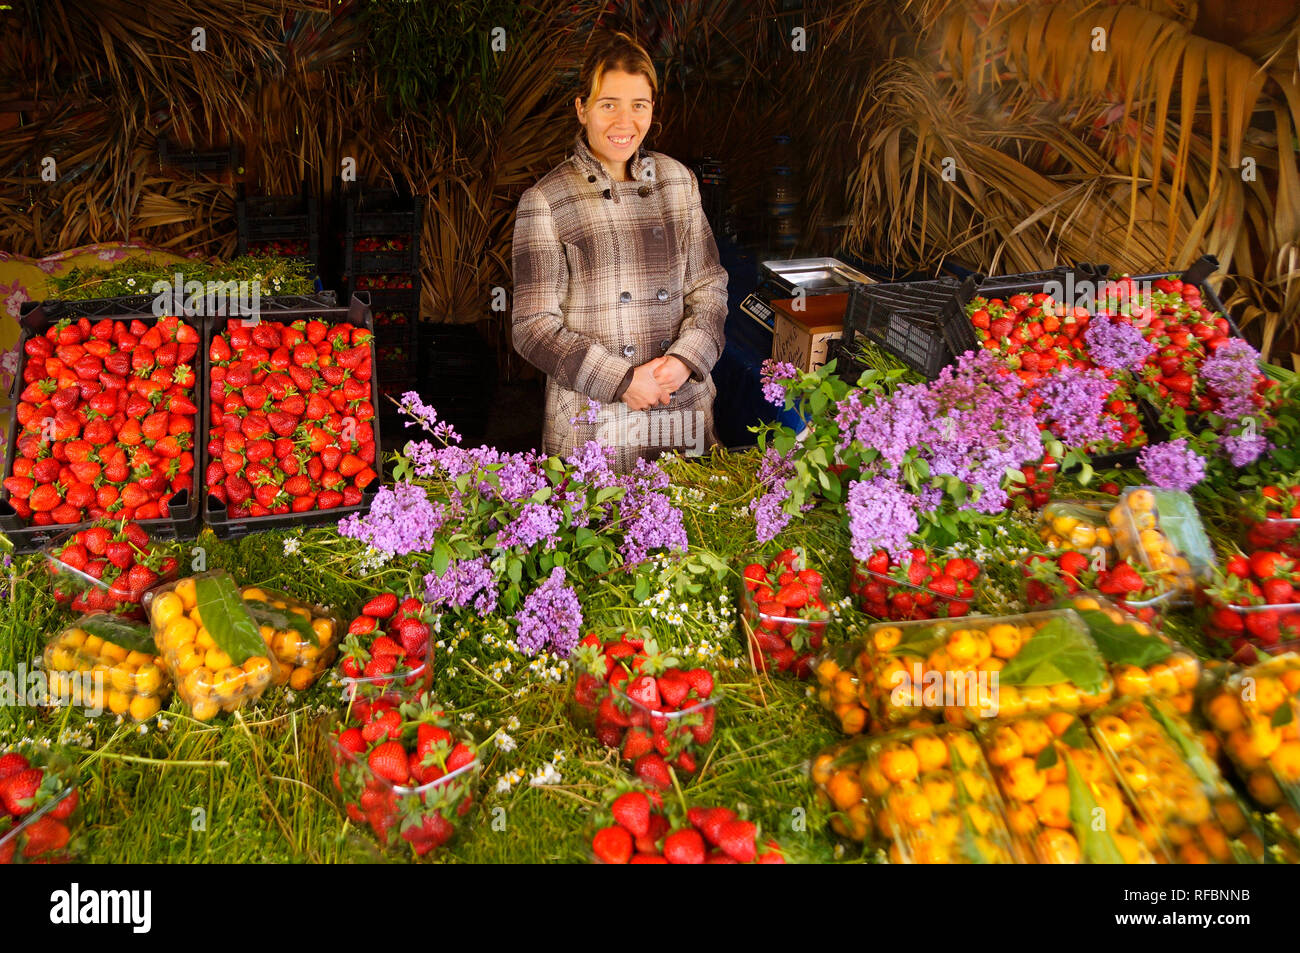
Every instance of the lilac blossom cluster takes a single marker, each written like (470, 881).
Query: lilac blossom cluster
(770, 517)
(647, 517)
(536, 523)
(882, 515)
(1117, 346)
(551, 617)
(1245, 448)
(424, 416)
(1172, 465)
(1073, 402)
(1231, 373)
(772, 373)
(588, 416)
(401, 520)
(464, 580)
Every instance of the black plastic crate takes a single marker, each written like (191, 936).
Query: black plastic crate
(215, 159)
(182, 520)
(904, 318)
(391, 299)
(142, 305)
(279, 218)
(382, 212)
(214, 511)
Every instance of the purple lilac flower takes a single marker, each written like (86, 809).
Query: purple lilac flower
(1245, 448)
(773, 373)
(1073, 404)
(519, 476)
(647, 517)
(590, 464)
(426, 417)
(463, 581)
(551, 616)
(536, 522)
(1116, 346)
(401, 520)
(1172, 465)
(1230, 373)
(979, 423)
(882, 515)
(588, 416)
(891, 425)
(770, 517)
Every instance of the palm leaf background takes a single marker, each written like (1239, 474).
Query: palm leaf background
(1133, 156)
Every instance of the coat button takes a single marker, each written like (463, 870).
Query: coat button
(606, 194)
(591, 178)
(628, 351)
(665, 344)
(643, 191)
(662, 294)
(625, 297)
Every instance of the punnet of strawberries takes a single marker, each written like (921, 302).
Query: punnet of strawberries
(1257, 602)
(38, 810)
(641, 701)
(637, 828)
(1271, 520)
(1038, 480)
(781, 601)
(924, 585)
(108, 566)
(387, 648)
(291, 417)
(1137, 590)
(406, 771)
(105, 420)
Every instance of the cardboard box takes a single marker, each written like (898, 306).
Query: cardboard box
(802, 337)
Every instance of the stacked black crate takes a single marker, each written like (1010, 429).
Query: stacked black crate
(381, 256)
(287, 226)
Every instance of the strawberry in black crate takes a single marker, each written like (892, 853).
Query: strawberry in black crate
(782, 607)
(292, 417)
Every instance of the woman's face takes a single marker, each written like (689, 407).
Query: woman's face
(616, 119)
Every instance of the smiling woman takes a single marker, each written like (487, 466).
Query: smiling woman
(619, 296)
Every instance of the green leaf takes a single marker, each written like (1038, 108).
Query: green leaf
(1123, 644)
(1191, 750)
(1095, 847)
(1076, 736)
(1047, 758)
(264, 613)
(1282, 716)
(441, 557)
(227, 618)
(597, 560)
(784, 442)
(582, 536)
(542, 495)
(833, 488)
(1056, 654)
(129, 634)
(515, 569)
(641, 591)
(605, 494)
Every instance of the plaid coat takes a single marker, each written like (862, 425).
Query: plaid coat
(609, 275)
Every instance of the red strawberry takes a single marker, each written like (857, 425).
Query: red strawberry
(386, 725)
(381, 606)
(736, 838)
(653, 770)
(414, 636)
(18, 792)
(350, 739)
(701, 680)
(389, 760)
(612, 845)
(684, 847)
(632, 810)
(12, 763)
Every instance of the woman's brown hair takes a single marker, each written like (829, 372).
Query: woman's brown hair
(616, 51)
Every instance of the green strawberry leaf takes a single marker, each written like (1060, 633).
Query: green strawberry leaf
(279, 619)
(1281, 717)
(1122, 644)
(1095, 847)
(130, 635)
(227, 618)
